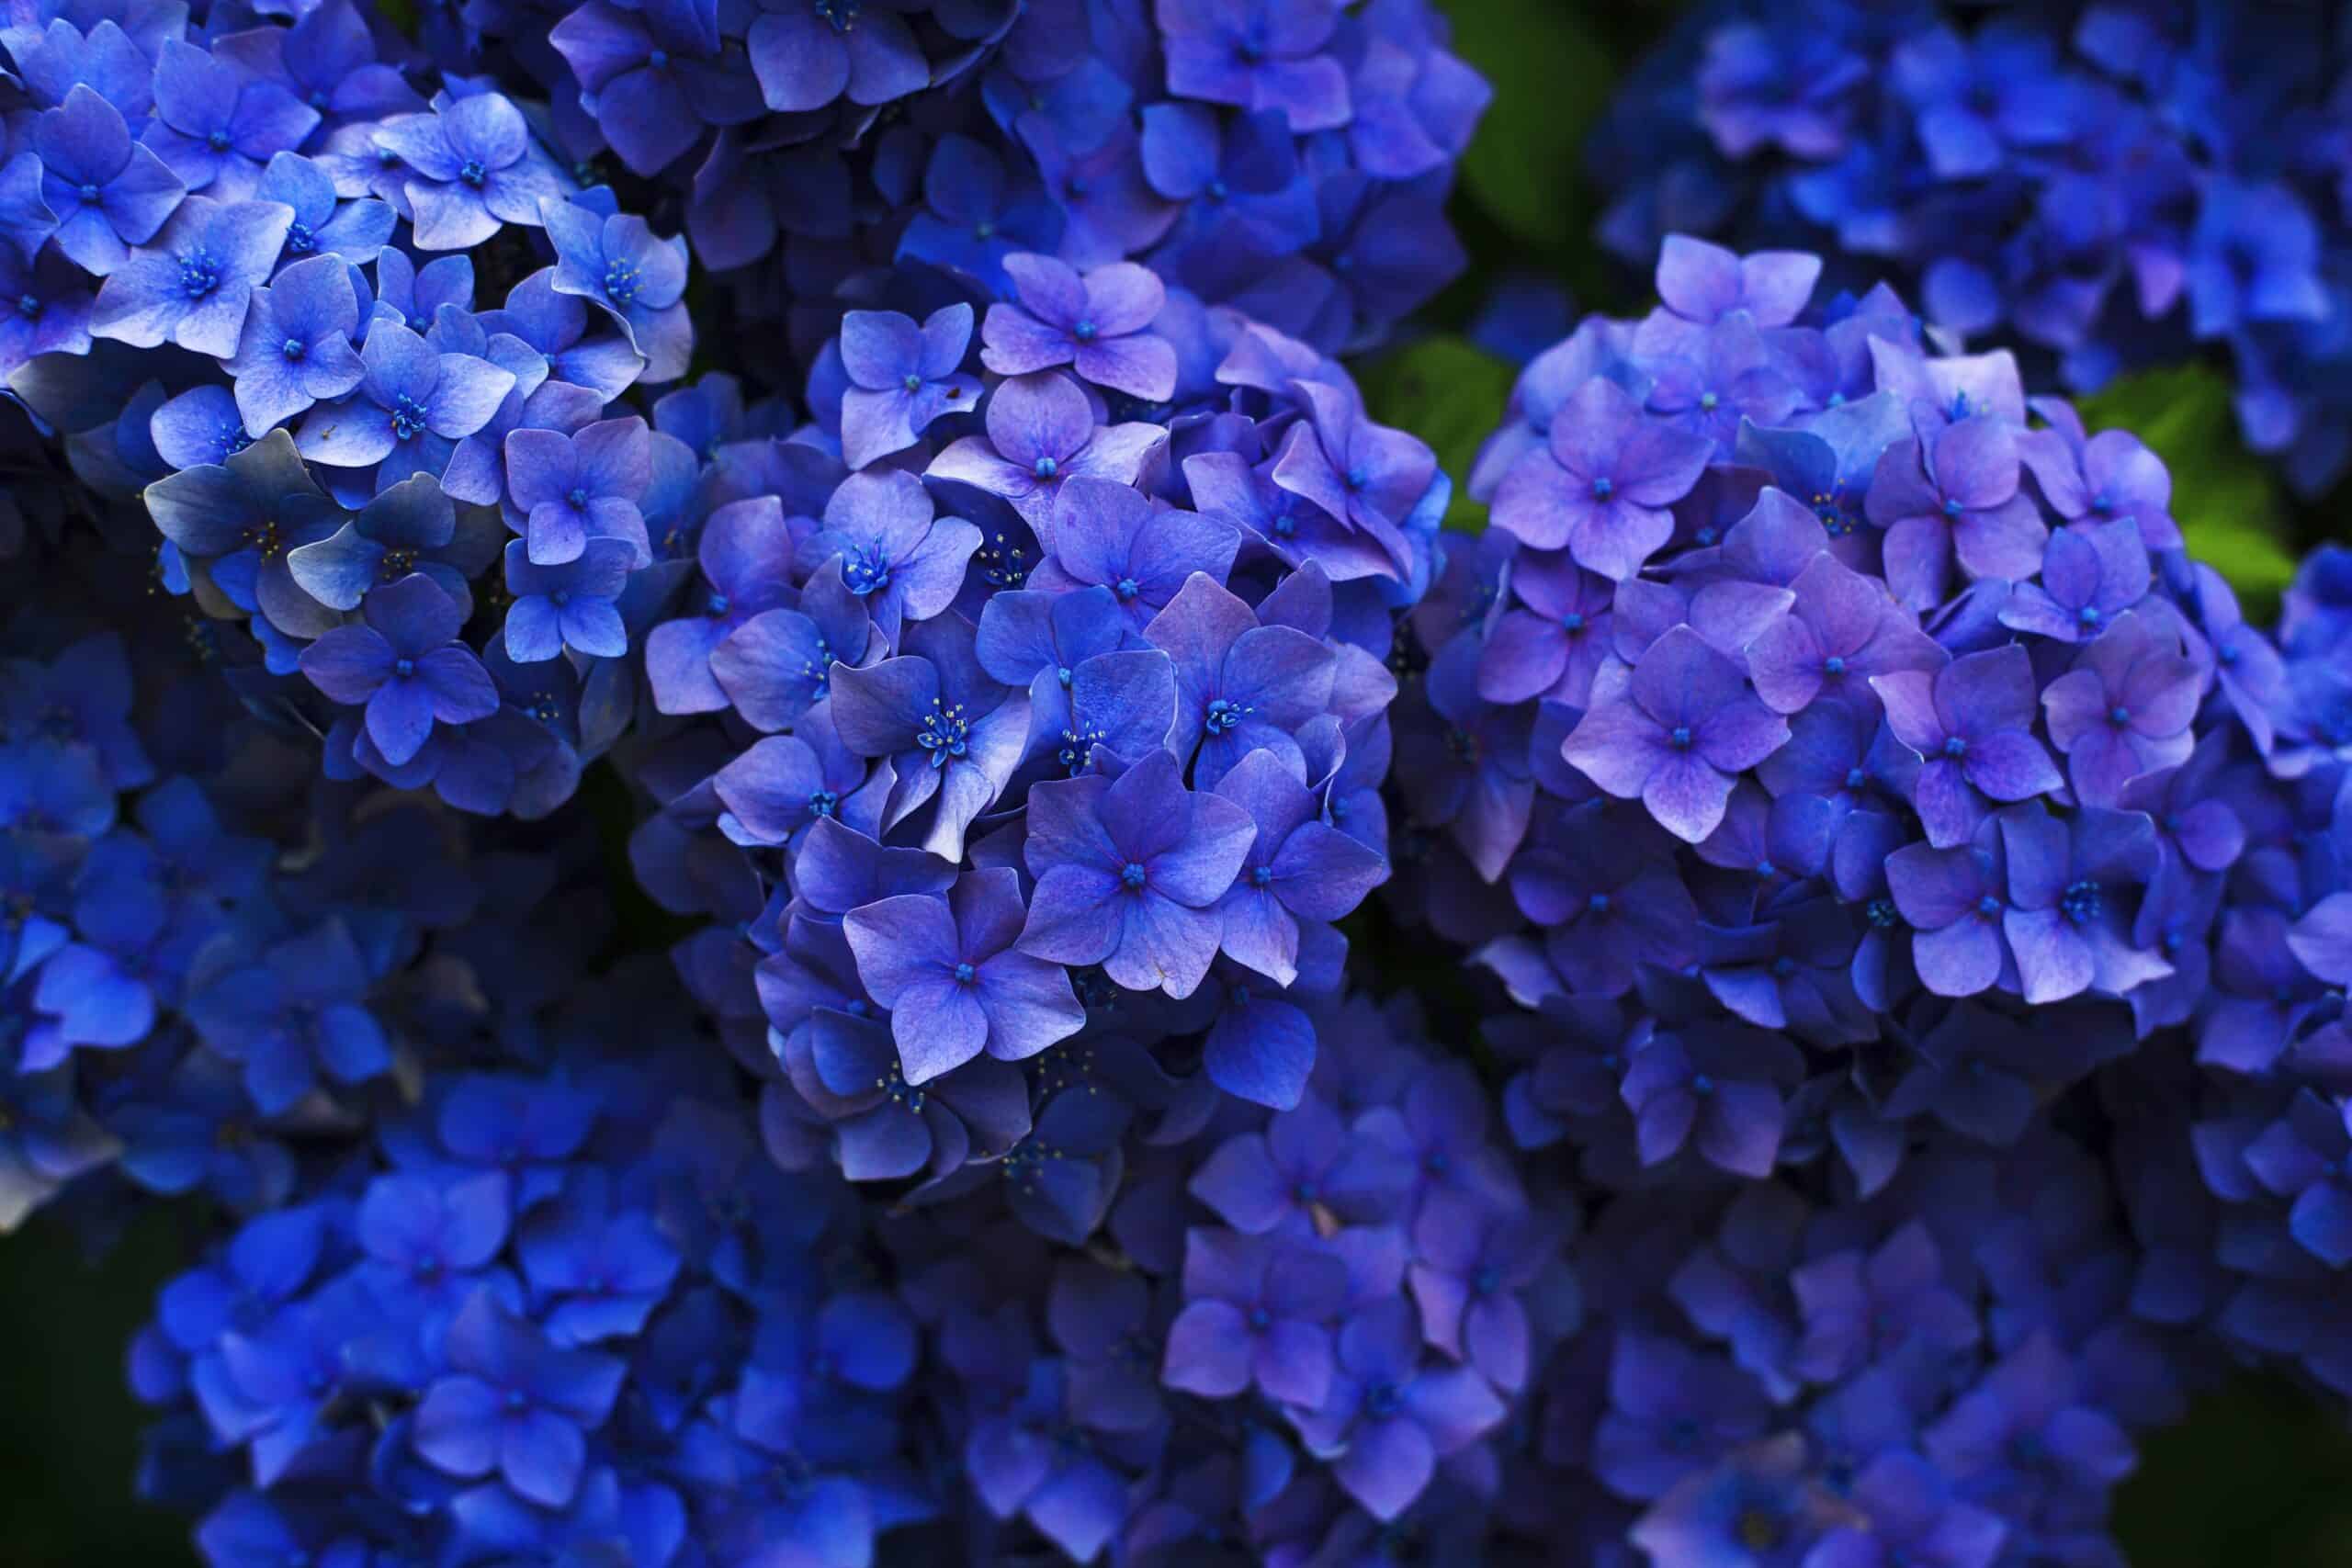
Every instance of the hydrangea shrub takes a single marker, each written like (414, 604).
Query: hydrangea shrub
(2116, 185)
(723, 732)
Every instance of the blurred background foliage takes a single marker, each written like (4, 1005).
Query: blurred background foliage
(2259, 1476)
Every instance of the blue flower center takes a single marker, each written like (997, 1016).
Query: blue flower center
(718, 603)
(1856, 778)
(408, 418)
(471, 173)
(560, 597)
(30, 307)
(1133, 875)
(1951, 508)
(1679, 737)
(1062, 676)
(1045, 468)
(1218, 190)
(1988, 908)
(1598, 904)
(866, 573)
(1703, 1086)
(1126, 588)
(199, 273)
(840, 14)
(1955, 748)
(293, 348)
(911, 382)
(404, 668)
(965, 974)
(1834, 665)
(622, 280)
(301, 240)
(945, 733)
(823, 802)
(1224, 716)
(1084, 330)
(1604, 489)
(1261, 876)
(1882, 913)
(2081, 902)
(1383, 1400)
(516, 1402)
(659, 58)
(218, 140)
(1707, 400)
(1573, 622)
(2119, 716)
(1261, 1319)
(1783, 967)
(87, 192)
(2087, 615)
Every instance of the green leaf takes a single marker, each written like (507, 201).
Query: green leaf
(2226, 498)
(1452, 394)
(1551, 80)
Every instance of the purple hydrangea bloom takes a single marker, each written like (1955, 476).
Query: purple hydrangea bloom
(617, 264)
(1097, 323)
(1129, 873)
(1971, 724)
(895, 556)
(1601, 488)
(216, 125)
(572, 489)
(902, 376)
(1672, 731)
(1390, 1417)
(2123, 710)
(808, 53)
(953, 980)
(1258, 1310)
(106, 192)
(190, 283)
(404, 665)
(952, 735)
(1241, 687)
(569, 605)
(514, 1405)
(1041, 434)
(413, 404)
(296, 347)
(473, 168)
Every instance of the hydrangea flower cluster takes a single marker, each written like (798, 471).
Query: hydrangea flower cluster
(2114, 183)
(250, 252)
(1059, 717)
(1859, 792)
(1288, 158)
(252, 258)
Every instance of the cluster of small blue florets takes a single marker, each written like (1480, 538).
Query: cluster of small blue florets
(1862, 795)
(2114, 182)
(1909, 906)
